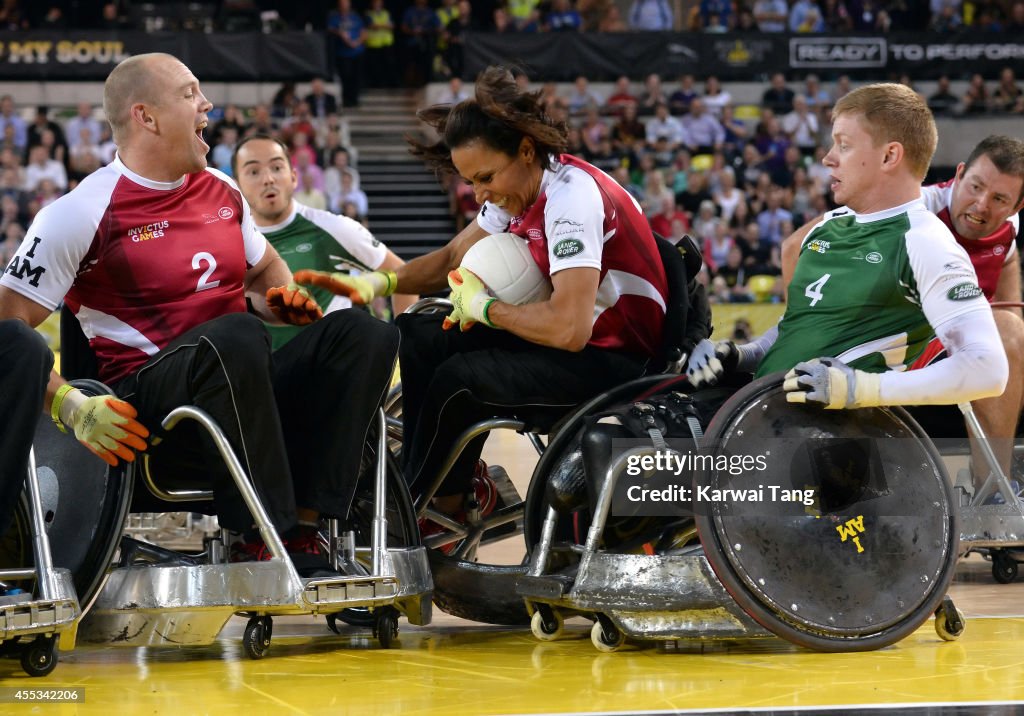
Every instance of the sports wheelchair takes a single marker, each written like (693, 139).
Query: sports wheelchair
(139, 594)
(35, 623)
(859, 570)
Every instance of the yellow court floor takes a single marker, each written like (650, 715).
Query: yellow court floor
(453, 667)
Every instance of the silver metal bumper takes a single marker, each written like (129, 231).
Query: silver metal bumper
(650, 597)
(154, 605)
(56, 614)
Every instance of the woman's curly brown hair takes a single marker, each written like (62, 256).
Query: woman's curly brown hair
(500, 115)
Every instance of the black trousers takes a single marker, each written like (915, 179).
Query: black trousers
(297, 419)
(25, 364)
(451, 380)
(350, 70)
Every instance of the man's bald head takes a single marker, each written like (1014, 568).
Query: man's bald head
(133, 80)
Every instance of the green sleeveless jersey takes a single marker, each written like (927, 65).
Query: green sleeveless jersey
(321, 241)
(868, 289)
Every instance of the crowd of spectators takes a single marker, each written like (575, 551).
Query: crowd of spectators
(739, 185)
(388, 43)
(534, 15)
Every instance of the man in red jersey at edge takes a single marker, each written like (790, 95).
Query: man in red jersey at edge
(156, 255)
(980, 205)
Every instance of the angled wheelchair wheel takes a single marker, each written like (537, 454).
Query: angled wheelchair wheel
(487, 592)
(85, 503)
(871, 556)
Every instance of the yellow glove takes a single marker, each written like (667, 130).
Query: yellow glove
(294, 305)
(470, 300)
(833, 384)
(103, 423)
(360, 289)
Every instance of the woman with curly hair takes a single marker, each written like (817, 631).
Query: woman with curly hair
(601, 326)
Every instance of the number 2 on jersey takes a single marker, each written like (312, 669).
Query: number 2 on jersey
(813, 290)
(204, 282)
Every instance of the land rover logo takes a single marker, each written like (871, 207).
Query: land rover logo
(567, 247)
(873, 258)
(963, 292)
(837, 52)
(303, 248)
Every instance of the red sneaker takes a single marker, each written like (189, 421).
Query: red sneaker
(485, 494)
(305, 551)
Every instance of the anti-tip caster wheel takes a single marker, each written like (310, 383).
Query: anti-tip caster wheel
(40, 657)
(385, 626)
(1004, 567)
(949, 620)
(256, 640)
(547, 624)
(606, 636)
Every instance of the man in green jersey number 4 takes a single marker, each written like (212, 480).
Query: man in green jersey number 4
(305, 238)
(875, 279)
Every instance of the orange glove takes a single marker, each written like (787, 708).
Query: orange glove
(360, 289)
(294, 305)
(103, 423)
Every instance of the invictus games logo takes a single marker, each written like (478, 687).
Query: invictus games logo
(963, 292)
(819, 245)
(567, 247)
(148, 231)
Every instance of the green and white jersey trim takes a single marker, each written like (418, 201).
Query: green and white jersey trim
(321, 241)
(870, 288)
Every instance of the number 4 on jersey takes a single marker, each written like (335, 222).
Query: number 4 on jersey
(813, 290)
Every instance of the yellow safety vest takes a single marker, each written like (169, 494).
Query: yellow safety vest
(376, 39)
(444, 16)
(521, 9)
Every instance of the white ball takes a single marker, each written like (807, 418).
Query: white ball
(503, 262)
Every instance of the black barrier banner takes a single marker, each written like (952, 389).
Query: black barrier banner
(82, 55)
(735, 56)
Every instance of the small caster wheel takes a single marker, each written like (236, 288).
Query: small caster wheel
(606, 636)
(385, 626)
(256, 640)
(1004, 567)
(547, 624)
(40, 657)
(949, 620)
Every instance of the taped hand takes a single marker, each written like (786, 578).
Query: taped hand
(294, 305)
(833, 384)
(103, 423)
(360, 289)
(470, 300)
(709, 361)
